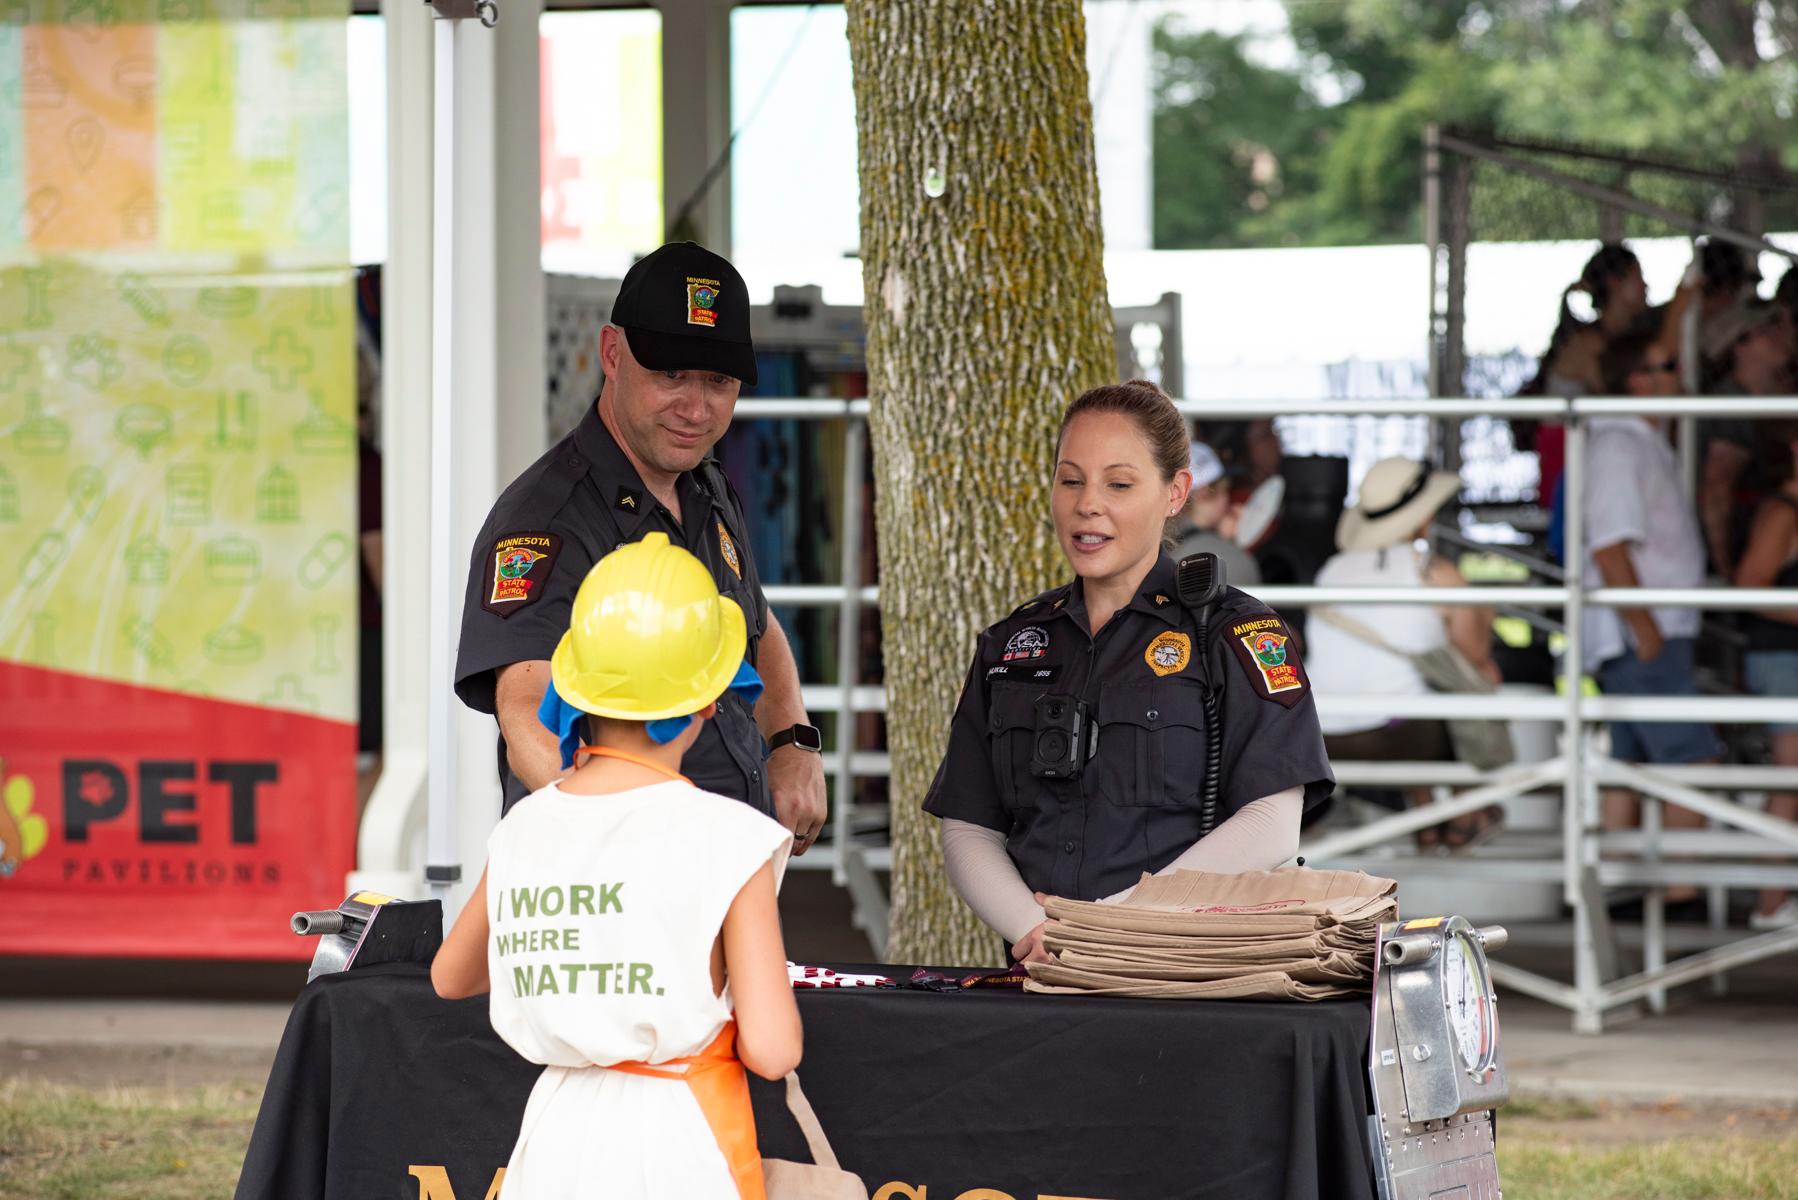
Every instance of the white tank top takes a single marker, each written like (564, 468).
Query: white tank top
(1341, 663)
(604, 910)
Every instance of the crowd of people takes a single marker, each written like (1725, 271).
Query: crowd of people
(1641, 525)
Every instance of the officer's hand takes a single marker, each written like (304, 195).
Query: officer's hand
(1030, 948)
(796, 778)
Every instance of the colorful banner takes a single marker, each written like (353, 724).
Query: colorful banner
(178, 451)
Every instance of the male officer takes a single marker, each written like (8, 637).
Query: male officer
(675, 355)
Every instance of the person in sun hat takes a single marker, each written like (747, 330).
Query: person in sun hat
(676, 353)
(1368, 648)
(624, 860)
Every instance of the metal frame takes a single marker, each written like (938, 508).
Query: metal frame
(1721, 858)
(443, 868)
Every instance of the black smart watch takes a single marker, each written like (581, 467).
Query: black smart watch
(806, 737)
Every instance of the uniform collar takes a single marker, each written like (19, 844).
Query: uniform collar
(619, 485)
(1156, 598)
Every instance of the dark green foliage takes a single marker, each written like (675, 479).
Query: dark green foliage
(1328, 151)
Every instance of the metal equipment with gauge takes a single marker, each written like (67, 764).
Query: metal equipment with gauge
(368, 929)
(1435, 1061)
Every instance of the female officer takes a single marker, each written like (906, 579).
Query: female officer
(1077, 754)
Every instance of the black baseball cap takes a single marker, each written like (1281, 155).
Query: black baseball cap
(683, 308)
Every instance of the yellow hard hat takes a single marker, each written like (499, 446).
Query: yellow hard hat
(650, 637)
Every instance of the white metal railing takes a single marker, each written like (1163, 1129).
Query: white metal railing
(1578, 770)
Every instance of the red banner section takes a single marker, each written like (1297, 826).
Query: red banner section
(147, 823)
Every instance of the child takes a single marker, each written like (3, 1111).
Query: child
(619, 900)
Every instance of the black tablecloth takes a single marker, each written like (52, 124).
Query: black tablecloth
(381, 1091)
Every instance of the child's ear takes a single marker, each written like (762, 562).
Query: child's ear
(709, 711)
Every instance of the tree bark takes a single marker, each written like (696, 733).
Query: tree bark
(986, 313)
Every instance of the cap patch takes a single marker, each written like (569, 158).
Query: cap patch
(1032, 641)
(702, 301)
(1168, 653)
(1262, 647)
(518, 568)
(729, 549)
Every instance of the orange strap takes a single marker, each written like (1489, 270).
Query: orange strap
(716, 1077)
(627, 756)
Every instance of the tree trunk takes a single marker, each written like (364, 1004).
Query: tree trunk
(986, 313)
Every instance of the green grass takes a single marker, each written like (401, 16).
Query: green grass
(67, 1143)
(1543, 1108)
(1540, 1166)
(64, 1143)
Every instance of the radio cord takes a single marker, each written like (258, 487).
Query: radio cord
(1214, 733)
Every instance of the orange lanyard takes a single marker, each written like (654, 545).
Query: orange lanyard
(627, 756)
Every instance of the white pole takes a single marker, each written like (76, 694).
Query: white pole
(1575, 836)
(443, 866)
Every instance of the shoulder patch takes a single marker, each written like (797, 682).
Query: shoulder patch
(728, 549)
(1263, 645)
(518, 570)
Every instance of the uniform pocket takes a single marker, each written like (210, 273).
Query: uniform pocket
(1011, 724)
(1151, 744)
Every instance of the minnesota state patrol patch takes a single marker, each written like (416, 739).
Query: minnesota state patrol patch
(1263, 647)
(518, 568)
(702, 301)
(1168, 653)
(728, 548)
(1032, 641)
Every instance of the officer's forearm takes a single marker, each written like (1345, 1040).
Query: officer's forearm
(986, 879)
(780, 705)
(531, 750)
(1258, 837)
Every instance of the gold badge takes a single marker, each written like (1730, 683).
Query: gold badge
(1168, 653)
(729, 550)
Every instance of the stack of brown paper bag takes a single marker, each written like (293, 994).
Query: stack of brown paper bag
(1293, 934)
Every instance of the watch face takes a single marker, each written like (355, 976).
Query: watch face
(807, 737)
(1468, 1000)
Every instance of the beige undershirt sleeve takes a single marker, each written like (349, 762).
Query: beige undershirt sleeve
(983, 875)
(1258, 837)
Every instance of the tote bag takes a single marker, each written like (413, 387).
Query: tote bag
(1484, 744)
(822, 1178)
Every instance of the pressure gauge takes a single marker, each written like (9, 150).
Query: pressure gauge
(1436, 1065)
(1436, 989)
(1467, 999)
